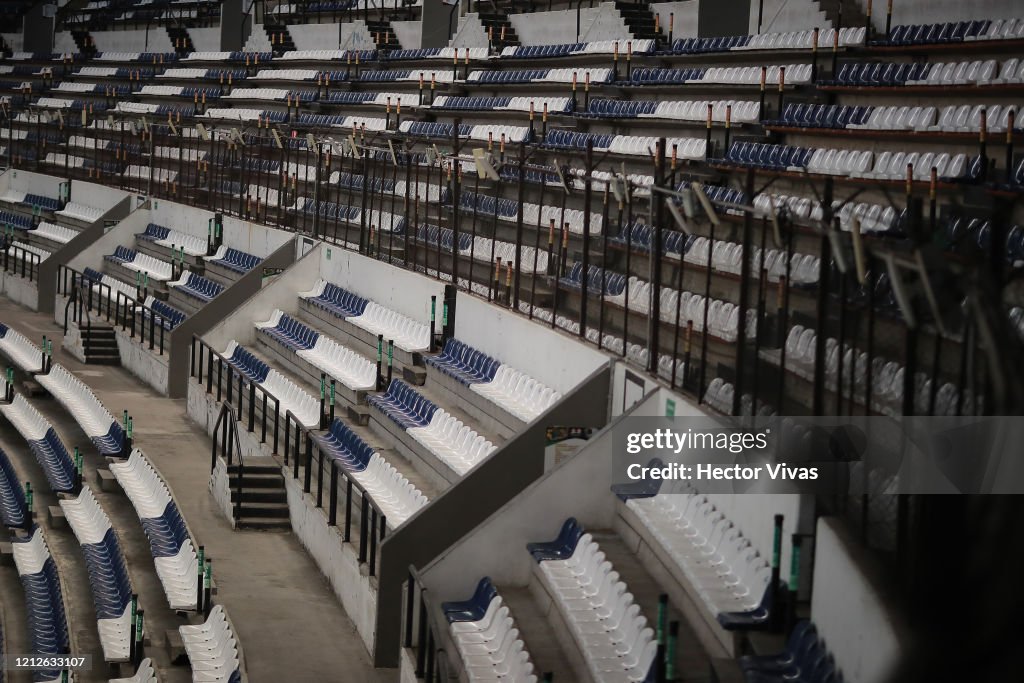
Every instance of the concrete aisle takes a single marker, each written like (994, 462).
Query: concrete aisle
(291, 626)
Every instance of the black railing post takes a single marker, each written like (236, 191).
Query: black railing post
(332, 513)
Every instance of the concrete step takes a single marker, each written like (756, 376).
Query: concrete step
(264, 524)
(257, 494)
(257, 510)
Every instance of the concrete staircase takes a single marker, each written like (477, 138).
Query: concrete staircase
(639, 19)
(852, 12)
(383, 35)
(100, 345)
(264, 503)
(181, 40)
(499, 29)
(280, 38)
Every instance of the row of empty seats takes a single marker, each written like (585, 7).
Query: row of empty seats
(13, 510)
(290, 396)
(602, 617)
(322, 352)
(887, 377)
(212, 649)
(197, 286)
(512, 390)
(370, 316)
(454, 443)
(42, 439)
(174, 554)
(153, 268)
(393, 494)
(44, 601)
(82, 404)
(486, 637)
(174, 239)
(720, 564)
(108, 573)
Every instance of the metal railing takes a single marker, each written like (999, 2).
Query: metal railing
(323, 478)
(141, 322)
(227, 427)
(21, 261)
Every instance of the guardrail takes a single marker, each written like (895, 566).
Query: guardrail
(333, 485)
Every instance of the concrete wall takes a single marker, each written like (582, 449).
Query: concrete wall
(409, 33)
(398, 289)
(151, 368)
(595, 23)
(686, 14)
(711, 21)
(853, 611)
(340, 36)
(235, 25)
(205, 39)
(931, 11)
(556, 359)
(101, 197)
(254, 238)
(136, 40)
(64, 43)
(338, 561)
(788, 15)
(220, 489)
(15, 41)
(27, 181)
(20, 290)
(37, 30)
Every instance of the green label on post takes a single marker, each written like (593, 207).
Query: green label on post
(670, 408)
(794, 569)
(328, 253)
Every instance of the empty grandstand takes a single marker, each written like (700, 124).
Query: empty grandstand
(442, 340)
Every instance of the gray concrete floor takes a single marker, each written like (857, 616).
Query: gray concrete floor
(290, 624)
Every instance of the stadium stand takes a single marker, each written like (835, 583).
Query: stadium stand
(412, 274)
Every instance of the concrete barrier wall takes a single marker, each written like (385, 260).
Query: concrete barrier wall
(205, 39)
(16, 41)
(338, 561)
(19, 290)
(151, 368)
(546, 28)
(27, 181)
(854, 613)
(340, 36)
(409, 34)
(788, 15)
(931, 11)
(137, 40)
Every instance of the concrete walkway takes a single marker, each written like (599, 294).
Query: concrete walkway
(290, 624)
